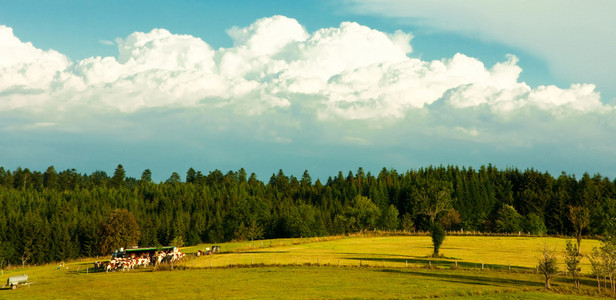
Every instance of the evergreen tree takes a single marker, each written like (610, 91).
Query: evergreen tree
(118, 176)
(50, 178)
(174, 179)
(146, 176)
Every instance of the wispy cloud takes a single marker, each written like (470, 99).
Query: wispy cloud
(107, 42)
(576, 38)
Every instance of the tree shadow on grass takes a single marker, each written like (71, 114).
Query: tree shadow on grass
(382, 254)
(484, 279)
(443, 263)
(250, 252)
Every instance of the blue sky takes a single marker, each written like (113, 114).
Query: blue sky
(326, 86)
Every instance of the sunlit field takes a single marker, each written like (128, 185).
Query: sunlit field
(332, 267)
(395, 251)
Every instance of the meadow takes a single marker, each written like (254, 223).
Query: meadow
(329, 267)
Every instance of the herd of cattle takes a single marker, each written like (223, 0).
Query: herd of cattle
(127, 263)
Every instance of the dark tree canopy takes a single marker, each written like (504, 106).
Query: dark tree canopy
(55, 214)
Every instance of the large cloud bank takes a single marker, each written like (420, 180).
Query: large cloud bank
(350, 72)
(321, 94)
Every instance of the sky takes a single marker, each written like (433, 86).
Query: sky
(323, 86)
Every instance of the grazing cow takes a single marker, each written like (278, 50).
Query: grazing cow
(125, 265)
(111, 265)
(160, 256)
(143, 262)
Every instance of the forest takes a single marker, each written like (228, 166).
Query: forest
(54, 216)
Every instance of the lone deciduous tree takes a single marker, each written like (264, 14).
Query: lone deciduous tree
(547, 265)
(435, 197)
(572, 261)
(120, 229)
(579, 218)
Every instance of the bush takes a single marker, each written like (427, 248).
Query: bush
(178, 241)
(534, 224)
(407, 222)
(389, 219)
(438, 236)
(509, 220)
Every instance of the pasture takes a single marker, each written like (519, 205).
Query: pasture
(334, 267)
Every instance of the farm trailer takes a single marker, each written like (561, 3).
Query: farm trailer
(14, 281)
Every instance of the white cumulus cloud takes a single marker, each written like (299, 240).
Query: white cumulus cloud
(350, 72)
(309, 93)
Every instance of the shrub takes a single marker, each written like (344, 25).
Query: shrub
(438, 236)
(509, 220)
(534, 224)
(407, 222)
(389, 218)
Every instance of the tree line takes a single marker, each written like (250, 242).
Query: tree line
(52, 216)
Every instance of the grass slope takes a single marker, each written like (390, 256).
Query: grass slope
(383, 273)
(396, 251)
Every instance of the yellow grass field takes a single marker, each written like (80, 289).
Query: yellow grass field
(329, 267)
(395, 251)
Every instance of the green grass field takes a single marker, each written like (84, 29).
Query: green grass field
(391, 267)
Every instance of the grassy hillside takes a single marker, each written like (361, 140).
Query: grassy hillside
(395, 251)
(384, 272)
